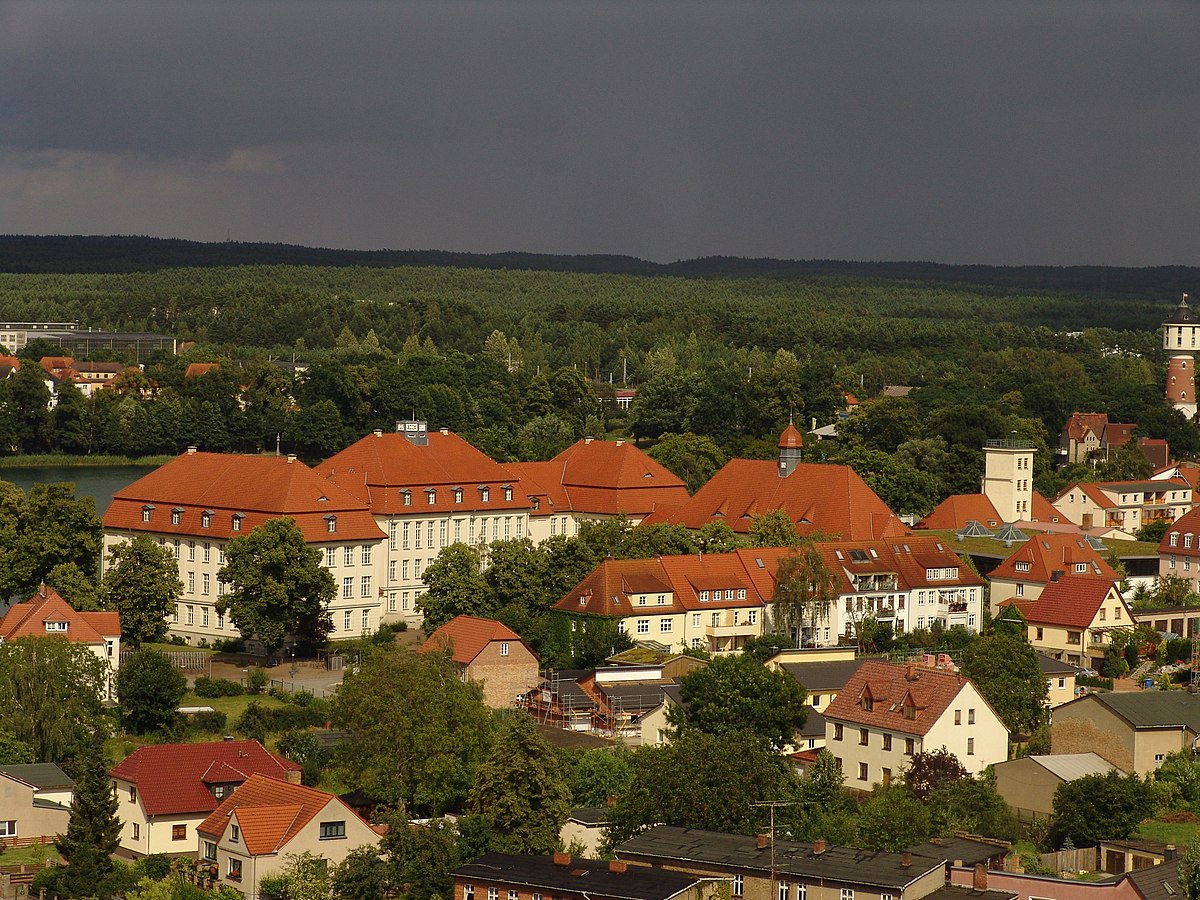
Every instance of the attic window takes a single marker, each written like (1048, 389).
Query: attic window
(57, 627)
(939, 546)
(206, 518)
(507, 491)
(176, 515)
(906, 550)
(583, 601)
(236, 522)
(1022, 567)
(909, 711)
(867, 698)
(431, 495)
(406, 496)
(839, 554)
(704, 596)
(146, 510)
(535, 502)
(331, 524)
(858, 556)
(485, 493)
(458, 495)
(874, 554)
(1080, 567)
(759, 562)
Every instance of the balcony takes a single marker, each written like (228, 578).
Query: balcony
(742, 629)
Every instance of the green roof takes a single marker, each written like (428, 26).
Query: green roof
(1155, 709)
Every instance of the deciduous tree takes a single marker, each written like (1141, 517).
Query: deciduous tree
(1096, 808)
(149, 688)
(736, 693)
(142, 584)
(805, 590)
(1005, 671)
(456, 587)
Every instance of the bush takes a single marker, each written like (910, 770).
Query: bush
(209, 722)
(399, 626)
(217, 687)
(256, 680)
(229, 645)
(178, 641)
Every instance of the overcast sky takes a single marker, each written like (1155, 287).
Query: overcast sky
(969, 131)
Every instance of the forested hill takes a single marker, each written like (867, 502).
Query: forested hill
(116, 254)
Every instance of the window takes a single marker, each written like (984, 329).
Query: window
(234, 831)
(235, 869)
(507, 492)
(331, 524)
(468, 892)
(665, 626)
(864, 737)
(207, 583)
(887, 742)
(504, 648)
(513, 895)
(176, 516)
(493, 893)
(484, 494)
(8, 827)
(191, 551)
(146, 510)
(346, 620)
(348, 556)
(958, 717)
(847, 894)
(909, 746)
(1174, 539)
(406, 496)
(347, 588)
(970, 717)
(695, 620)
(837, 731)
(210, 850)
(643, 626)
(801, 892)
(366, 620)
(57, 626)
(404, 533)
(366, 554)
(207, 552)
(431, 495)
(970, 746)
(782, 890)
(179, 832)
(365, 586)
(862, 771)
(752, 617)
(191, 582)
(739, 886)
(137, 831)
(204, 614)
(191, 615)
(1039, 633)
(236, 523)
(333, 830)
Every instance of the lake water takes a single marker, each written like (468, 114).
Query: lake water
(100, 482)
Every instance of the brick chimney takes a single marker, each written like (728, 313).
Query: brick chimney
(979, 880)
(820, 845)
(617, 866)
(292, 776)
(905, 859)
(1170, 853)
(764, 841)
(562, 859)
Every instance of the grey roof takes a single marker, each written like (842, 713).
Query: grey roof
(823, 676)
(961, 848)
(43, 776)
(634, 696)
(1153, 709)
(845, 865)
(590, 815)
(1159, 882)
(1051, 666)
(814, 725)
(961, 892)
(1069, 766)
(592, 876)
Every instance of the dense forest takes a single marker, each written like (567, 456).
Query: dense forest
(522, 360)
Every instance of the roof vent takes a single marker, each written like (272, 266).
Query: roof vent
(191, 451)
(587, 439)
(378, 432)
(291, 458)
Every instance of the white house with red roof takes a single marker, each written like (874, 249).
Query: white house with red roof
(817, 498)
(47, 614)
(489, 653)
(165, 790)
(249, 836)
(1043, 559)
(1179, 550)
(593, 480)
(889, 712)
(1124, 505)
(1073, 617)
(198, 502)
(426, 490)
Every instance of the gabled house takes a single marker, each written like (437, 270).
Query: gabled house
(1079, 440)
(1028, 784)
(247, 837)
(1126, 505)
(1044, 559)
(593, 480)
(889, 712)
(489, 653)
(426, 489)
(35, 801)
(1060, 679)
(1179, 549)
(47, 614)
(198, 502)
(816, 497)
(1072, 618)
(166, 790)
(1133, 731)
(1006, 493)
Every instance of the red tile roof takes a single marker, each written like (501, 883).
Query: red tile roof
(1049, 553)
(816, 497)
(171, 778)
(791, 438)
(1071, 601)
(467, 636)
(892, 688)
(1189, 523)
(602, 477)
(1080, 424)
(378, 468)
(195, 370)
(1116, 434)
(270, 813)
(258, 487)
(30, 618)
(958, 509)
(910, 558)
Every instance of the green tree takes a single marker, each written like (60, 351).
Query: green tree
(1189, 871)
(764, 646)
(805, 590)
(142, 584)
(735, 693)
(971, 805)
(14, 752)
(76, 587)
(421, 857)
(931, 769)
(718, 537)
(362, 875)
(600, 774)
(94, 831)
(694, 459)
(305, 876)
(419, 731)
(149, 688)
(50, 695)
(520, 787)
(1096, 808)
(1005, 671)
(773, 529)
(49, 528)
(544, 437)
(456, 588)
(892, 819)
(277, 585)
(303, 747)
(1173, 590)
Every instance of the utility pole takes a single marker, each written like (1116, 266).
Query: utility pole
(771, 804)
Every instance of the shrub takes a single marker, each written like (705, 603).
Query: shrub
(209, 722)
(399, 626)
(256, 680)
(229, 645)
(217, 687)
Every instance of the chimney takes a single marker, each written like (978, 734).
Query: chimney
(445, 430)
(1170, 854)
(763, 841)
(587, 439)
(1056, 574)
(562, 859)
(291, 458)
(617, 866)
(191, 451)
(910, 672)
(820, 845)
(620, 443)
(292, 777)
(611, 800)
(378, 432)
(905, 859)
(979, 881)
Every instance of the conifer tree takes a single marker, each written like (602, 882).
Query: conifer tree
(94, 832)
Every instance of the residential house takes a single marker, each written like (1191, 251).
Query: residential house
(490, 654)
(1006, 493)
(1152, 883)
(823, 679)
(1180, 621)
(586, 827)
(1060, 679)
(47, 614)
(427, 490)
(655, 724)
(559, 876)
(35, 802)
(889, 712)
(198, 502)
(1126, 505)
(1079, 441)
(166, 790)
(1072, 619)
(816, 497)
(594, 480)
(789, 870)
(1045, 558)
(1179, 550)
(1133, 731)
(249, 836)
(1028, 784)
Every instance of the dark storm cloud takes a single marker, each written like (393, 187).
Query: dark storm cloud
(964, 132)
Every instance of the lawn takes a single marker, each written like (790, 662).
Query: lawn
(231, 706)
(1178, 833)
(28, 856)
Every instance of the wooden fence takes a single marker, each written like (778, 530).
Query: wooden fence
(181, 659)
(1083, 859)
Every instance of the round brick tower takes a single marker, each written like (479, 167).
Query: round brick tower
(1180, 334)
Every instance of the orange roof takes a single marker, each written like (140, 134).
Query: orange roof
(910, 558)
(270, 813)
(195, 370)
(816, 497)
(1045, 554)
(1080, 424)
(29, 620)
(172, 778)
(791, 438)
(605, 590)
(380, 467)
(258, 488)
(1189, 523)
(1116, 435)
(958, 509)
(467, 636)
(602, 477)
(893, 687)
(1071, 601)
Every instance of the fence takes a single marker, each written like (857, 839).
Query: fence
(181, 659)
(1083, 859)
(293, 688)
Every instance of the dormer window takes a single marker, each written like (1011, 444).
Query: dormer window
(485, 493)
(236, 522)
(146, 510)
(867, 699)
(1080, 567)
(176, 515)
(458, 492)
(507, 491)
(1022, 567)
(406, 496)
(331, 524)
(57, 627)
(206, 518)
(535, 503)
(704, 596)
(431, 495)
